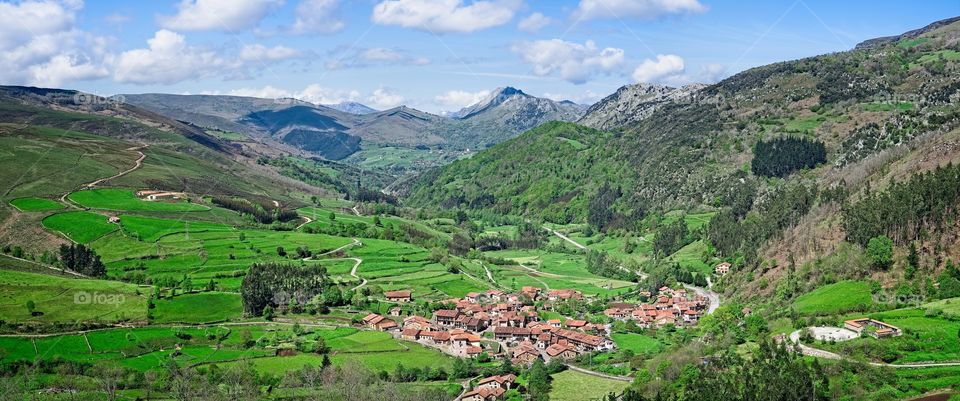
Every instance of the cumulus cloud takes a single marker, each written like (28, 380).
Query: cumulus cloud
(574, 62)
(665, 66)
(262, 53)
(366, 57)
(458, 99)
(384, 98)
(445, 16)
(217, 15)
(534, 23)
(317, 16)
(587, 97)
(40, 45)
(169, 59)
(644, 9)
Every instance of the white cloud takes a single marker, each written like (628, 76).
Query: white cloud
(313, 93)
(665, 66)
(587, 97)
(444, 16)
(384, 98)
(574, 62)
(534, 23)
(458, 99)
(366, 57)
(317, 16)
(169, 59)
(262, 53)
(711, 73)
(40, 45)
(217, 15)
(645, 9)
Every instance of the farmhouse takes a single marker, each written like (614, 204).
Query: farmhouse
(483, 394)
(378, 322)
(494, 382)
(446, 317)
(398, 296)
(873, 328)
(722, 268)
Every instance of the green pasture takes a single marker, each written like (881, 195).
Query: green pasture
(81, 227)
(126, 200)
(835, 298)
(36, 204)
(61, 299)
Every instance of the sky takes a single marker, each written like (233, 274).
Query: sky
(434, 55)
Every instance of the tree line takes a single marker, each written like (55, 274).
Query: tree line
(260, 213)
(926, 201)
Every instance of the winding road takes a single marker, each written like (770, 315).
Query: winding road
(713, 297)
(353, 272)
(137, 165)
(308, 221)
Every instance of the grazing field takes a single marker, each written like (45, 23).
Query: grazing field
(321, 217)
(60, 299)
(150, 229)
(948, 306)
(396, 265)
(126, 200)
(835, 298)
(690, 257)
(209, 255)
(36, 204)
(81, 227)
(575, 386)
(638, 343)
(202, 307)
(553, 270)
(926, 338)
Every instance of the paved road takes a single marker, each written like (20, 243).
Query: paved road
(713, 297)
(819, 353)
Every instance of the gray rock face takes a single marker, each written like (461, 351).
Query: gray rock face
(633, 103)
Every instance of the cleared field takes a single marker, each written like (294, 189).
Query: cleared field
(203, 307)
(949, 306)
(126, 200)
(36, 204)
(835, 298)
(554, 270)
(926, 338)
(151, 229)
(575, 386)
(396, 265)
(638, 343)
(690, 258)
(58, 299)
(321, 217)
(81, 227)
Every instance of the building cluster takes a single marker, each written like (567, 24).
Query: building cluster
(670, 306)
(502, 324)
(489, 388)
(873, 328)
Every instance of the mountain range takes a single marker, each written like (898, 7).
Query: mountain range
(338, 131)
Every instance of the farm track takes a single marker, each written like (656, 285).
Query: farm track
(823, 354)
(599, 374)
(171, 326)
(137, 164)
(308, 221)
(70, 272)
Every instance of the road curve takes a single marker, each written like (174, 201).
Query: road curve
(564, 237)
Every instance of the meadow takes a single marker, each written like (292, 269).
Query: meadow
(575, 386)
(638, 343)
(126, 200)
(62, 299)
(927, 338)
(36, 204)
(204, 307)
(81, 227)
(835, 298)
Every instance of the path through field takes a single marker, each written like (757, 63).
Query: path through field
(308, 221)
(565, 238)
(353, 272)
(137, 164)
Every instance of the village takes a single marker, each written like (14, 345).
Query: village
(503, 325)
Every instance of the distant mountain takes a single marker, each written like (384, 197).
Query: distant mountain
(337, 131)
(505, 113)
(633, 103)
(352, 108)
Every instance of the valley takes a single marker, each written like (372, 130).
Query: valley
(789, 232)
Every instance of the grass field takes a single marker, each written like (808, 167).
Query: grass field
(60, 299)
(835, 298)
(949, 306)
(151, 229)
(638, 343)
(36, 204)
(81, 227)
(202, 307)
(126, 200)
(553, 270)
(926, 338)
(575, 386)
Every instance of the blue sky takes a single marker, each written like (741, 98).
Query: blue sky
(435, 55)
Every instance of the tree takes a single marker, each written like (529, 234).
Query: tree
(538, 380)
(268, 312)
(880, 251)
(281, 252)
(83, 260)
(31, 308)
